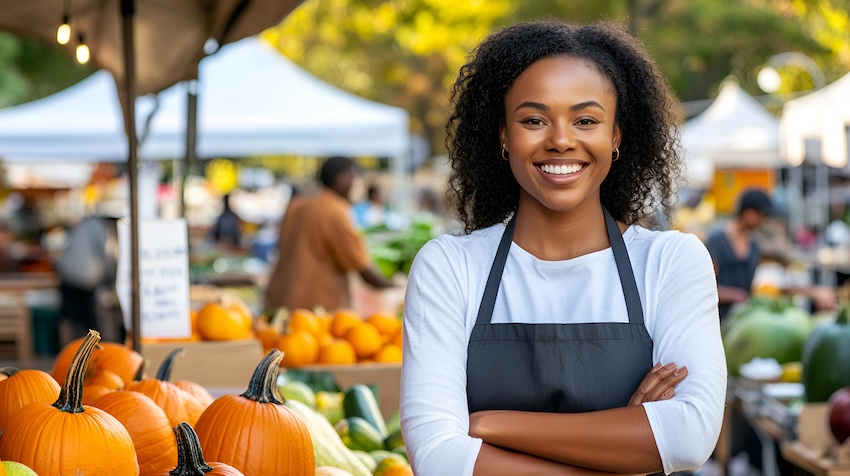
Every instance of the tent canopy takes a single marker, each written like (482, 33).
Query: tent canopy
(83, 122)
(251, 100)
(734, 132)
(823, 115)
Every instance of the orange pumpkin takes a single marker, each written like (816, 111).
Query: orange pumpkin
(178, 404)
(23, 387)
(148, 427)
(109, 356)
(199, 392)
(216, 322)
(226, 436)
(191, 457)
(105, 378)
(93, 392)
(299, 348)
(68, 437)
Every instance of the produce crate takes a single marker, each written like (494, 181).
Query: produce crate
(815, 450)
(212, 364)
(385, 376)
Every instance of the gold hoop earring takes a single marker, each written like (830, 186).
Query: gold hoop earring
(616, 155)
(504, 149)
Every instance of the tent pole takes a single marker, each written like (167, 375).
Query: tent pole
(127, 11)
(191, 139)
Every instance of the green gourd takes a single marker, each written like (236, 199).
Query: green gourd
(826, 358)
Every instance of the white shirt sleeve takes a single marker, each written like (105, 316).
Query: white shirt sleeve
(434, 412)
(686, 330)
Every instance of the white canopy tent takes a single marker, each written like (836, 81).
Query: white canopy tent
(734, 132)
(251, 100)
(824, 116)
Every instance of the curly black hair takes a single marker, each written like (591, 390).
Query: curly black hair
(483, 194)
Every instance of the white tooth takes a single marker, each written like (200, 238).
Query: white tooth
(562, 170)
(548, 168)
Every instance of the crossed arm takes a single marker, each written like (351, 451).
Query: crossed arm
(529, 443)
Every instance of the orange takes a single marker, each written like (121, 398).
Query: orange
(325, 338)
(306, 320)
(238, 305)
(343, 321)
(366, 340)
(216, 322)
(299, 348)
(398, 337)
(386, 324)
(339, 351)
(268, 336)
(325, 322)
(389, 353)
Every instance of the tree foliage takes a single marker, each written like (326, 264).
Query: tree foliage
(30, 70)
(407, 52)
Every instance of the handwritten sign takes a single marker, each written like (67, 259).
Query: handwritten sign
(163, 277)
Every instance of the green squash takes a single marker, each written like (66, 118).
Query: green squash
(826, 358)
(766, 328)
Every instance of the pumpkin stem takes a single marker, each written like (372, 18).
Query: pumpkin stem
(140, 373)
(71, 395)
(9, 371)
(190, 457)
(263, 385)
(164, 372)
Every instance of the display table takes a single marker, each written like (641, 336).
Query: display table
(792, 434)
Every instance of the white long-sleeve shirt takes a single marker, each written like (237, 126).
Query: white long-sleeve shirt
(678, 291)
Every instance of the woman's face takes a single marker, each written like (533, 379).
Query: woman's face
(560, 132)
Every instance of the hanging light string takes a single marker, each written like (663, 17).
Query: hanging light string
(63, 33)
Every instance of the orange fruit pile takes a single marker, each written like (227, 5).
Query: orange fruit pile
(343, 337)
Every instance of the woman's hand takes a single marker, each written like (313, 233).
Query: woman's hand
(659, 384)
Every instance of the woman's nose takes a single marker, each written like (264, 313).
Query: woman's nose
(560, 137)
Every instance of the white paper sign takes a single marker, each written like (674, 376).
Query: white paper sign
(163, 277)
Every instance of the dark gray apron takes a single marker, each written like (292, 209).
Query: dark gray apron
(563, 368)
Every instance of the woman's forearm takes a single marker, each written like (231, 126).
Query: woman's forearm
(493, 461)
(619, 440)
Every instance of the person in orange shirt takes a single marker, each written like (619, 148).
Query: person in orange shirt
(319, 245)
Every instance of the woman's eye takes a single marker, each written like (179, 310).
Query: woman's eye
(534, 121)
(586, 121)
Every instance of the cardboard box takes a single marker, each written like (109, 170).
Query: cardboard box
(385, 376)
(815, 449)
(212, 364)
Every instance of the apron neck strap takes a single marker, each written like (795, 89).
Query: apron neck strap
(621, 258)
(624, 269)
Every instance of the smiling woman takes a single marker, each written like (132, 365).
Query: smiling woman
(559, 335)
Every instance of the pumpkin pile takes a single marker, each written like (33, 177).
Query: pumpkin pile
(339, 338)
(110, 418)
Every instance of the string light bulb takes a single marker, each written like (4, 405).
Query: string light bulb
(83, 54)
(63, 33)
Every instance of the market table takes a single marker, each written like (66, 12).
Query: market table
(794, 436)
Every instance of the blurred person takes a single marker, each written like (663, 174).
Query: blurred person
(736, 253)
(88, 265)
(371, 211)
(319, 245)
(227, 230)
